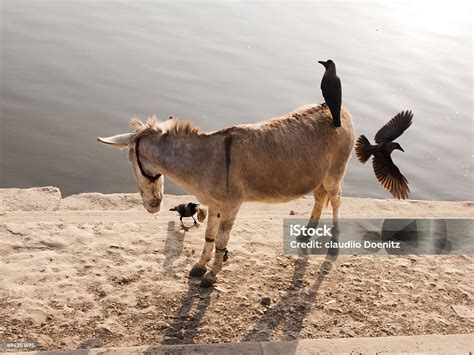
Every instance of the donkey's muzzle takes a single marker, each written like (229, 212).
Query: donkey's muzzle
(155, 203)
(153, 206)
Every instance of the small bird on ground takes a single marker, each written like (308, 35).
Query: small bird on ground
(385, 170)
(332, 91)
(186, 210)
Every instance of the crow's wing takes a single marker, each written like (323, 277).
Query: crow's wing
(390, 176)
(394, 128)
(181, 208)
(332, 90)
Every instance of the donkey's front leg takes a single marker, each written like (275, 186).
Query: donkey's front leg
(199, 269)
(225, 226)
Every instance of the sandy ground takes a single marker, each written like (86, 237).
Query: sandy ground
(96, 270)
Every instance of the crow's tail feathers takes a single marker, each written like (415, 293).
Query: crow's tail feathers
(174, 209)
(362, 149)
(336, 119)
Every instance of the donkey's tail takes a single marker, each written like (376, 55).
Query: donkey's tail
(363, 149)
(326, 201)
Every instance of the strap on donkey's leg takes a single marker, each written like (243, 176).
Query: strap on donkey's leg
(225, 251)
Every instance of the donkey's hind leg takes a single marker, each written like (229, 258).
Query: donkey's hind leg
(320, 200)
(199, 269)
(334, 190)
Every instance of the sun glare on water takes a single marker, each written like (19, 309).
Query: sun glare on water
(441, 17)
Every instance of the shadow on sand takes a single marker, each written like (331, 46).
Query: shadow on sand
(173, 248)
(186, 321)
(290, 319)
(196, 300)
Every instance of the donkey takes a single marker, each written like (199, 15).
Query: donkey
(277, 160)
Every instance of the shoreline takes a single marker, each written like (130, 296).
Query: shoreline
(48, 198)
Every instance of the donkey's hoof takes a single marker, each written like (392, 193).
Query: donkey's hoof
(208, 280)
(197, 271)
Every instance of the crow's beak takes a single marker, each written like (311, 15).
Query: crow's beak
(400, 148)
(322, 62)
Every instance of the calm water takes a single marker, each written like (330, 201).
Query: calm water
(72, 70)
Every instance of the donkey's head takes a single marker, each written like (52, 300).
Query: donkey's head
(149, 184)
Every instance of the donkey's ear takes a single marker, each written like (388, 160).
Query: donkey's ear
(119, 141)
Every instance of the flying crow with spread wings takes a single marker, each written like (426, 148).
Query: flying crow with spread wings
(386, 171)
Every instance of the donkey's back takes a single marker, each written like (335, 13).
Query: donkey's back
(289, 156)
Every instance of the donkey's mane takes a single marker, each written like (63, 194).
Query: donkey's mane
(183, 128)
(172, 126)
